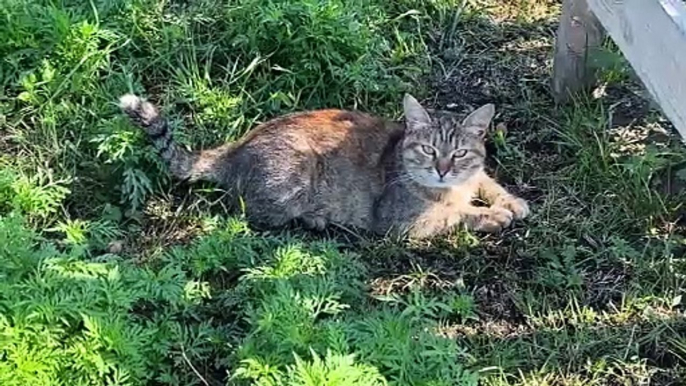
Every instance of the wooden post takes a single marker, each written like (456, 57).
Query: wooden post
(578, 36)
(652, 37)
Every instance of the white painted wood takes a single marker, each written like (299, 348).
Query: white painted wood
(579, 34)
(652, 36)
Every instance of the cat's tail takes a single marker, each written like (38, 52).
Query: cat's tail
(183, 164)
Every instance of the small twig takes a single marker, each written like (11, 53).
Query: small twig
(197, 373)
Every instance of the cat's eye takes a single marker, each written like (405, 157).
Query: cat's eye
(459, 153)
(428, 150)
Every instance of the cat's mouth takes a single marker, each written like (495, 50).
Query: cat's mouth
(443, 183)
(433, 180)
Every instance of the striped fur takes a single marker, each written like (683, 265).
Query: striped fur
(183, 164)
(443, 150)
(350, 169)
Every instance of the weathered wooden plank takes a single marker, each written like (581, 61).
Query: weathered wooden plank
(652, 36)
(579, 34)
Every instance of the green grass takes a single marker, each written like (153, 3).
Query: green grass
(111, 273)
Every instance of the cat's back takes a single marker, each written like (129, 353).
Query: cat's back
(323, 166)
(328, 132)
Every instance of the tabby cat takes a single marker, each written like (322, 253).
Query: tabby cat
(351, 169)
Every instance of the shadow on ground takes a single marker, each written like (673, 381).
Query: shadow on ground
(588, 289)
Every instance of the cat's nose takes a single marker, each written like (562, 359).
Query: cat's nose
(443, 167)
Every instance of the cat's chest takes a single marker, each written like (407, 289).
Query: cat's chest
(448, 202)
(452, 197)
(453, 201)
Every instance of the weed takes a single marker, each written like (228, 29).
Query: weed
(110, 273)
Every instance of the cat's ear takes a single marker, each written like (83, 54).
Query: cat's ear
(478, 121)
(415, 115)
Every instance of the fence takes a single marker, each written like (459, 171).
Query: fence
(650, 33)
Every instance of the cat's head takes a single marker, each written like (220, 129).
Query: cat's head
(441, 151)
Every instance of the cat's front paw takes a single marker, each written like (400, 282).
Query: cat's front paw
(494, 219)
(516, 205)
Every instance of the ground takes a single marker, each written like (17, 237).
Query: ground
(113, 274)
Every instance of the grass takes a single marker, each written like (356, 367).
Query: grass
(111, 273)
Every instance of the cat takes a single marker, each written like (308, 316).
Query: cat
(417, 178)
